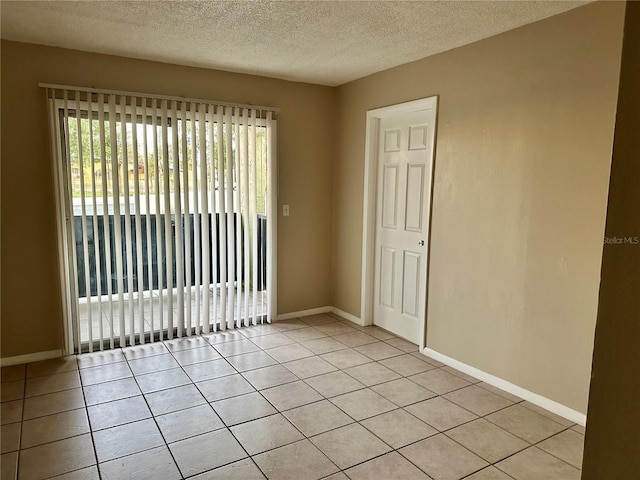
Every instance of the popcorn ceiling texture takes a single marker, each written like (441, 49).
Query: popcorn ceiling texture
(322, 42)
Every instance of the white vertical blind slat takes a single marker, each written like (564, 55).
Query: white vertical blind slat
(236, 215)
(254, 215)
(83, 220)
(196, 220)
(229, 215)
(117, 227)
(135, 162)
(105, 218)
(147, 200)
(127, 218)
(166, 194)
(222, 208)
(211, 190)
(271, 209)
(159, 226)
(177, 208)
(187, 216)
(96, 232)
(262, 175)
(244, 142)
(204, 208)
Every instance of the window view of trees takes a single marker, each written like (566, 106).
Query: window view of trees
(95, 149)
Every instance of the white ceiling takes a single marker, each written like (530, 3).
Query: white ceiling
(324, 42)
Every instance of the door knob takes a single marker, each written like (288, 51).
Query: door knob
(421, 243)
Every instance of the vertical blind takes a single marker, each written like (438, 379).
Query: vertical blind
(166, 213)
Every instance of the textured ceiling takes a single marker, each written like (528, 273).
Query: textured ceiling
(324, 42)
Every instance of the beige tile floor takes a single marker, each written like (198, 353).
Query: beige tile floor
(310, 398)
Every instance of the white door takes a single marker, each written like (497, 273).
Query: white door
(403, 196)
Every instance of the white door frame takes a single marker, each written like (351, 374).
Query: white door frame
(369, 204)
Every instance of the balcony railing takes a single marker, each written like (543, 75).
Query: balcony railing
(152, 283)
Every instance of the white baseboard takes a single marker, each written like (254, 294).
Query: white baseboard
(318, 310)
(347, 316)
(30, 357)
(303, 313)
(539, 400)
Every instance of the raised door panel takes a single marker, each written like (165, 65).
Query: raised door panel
(390, 196)
(411, 283)
(392, 140)
(414, 203)
(387, 277)
(418, 137)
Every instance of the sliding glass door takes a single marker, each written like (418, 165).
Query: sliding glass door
(165, 212)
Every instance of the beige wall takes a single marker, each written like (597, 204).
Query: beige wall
(31, 310)
(525, 129)
(523, 154)
(612, 440)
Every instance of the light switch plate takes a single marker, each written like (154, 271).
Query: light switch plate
(285, 210)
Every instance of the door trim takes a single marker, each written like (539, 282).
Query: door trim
(369, 203)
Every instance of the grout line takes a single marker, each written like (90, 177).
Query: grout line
(393, 450)
(225, 426)
(283, 412)
(86, 409)
(549, 453)
(155, 421)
